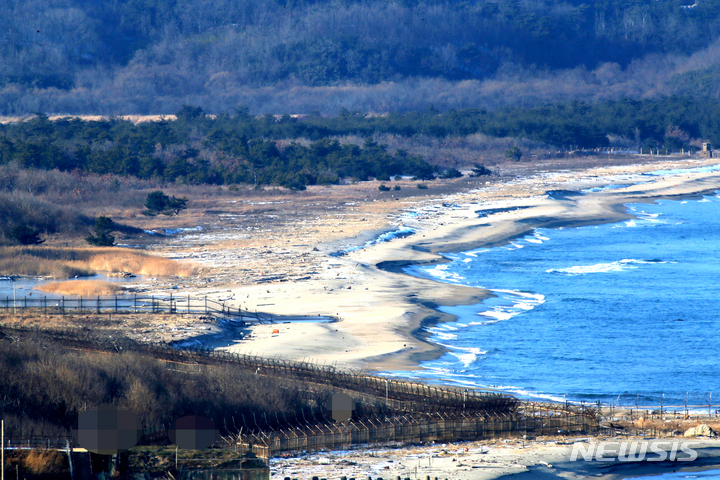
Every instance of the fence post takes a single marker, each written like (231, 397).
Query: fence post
(45, 305)
(98, 304)
(116, 306)
(63, 305)
(80, 304)
(171, 304)
(135, 303)
(152, 303)
(188, 304)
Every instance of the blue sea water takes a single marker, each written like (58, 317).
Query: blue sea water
(707, 474)
(618, 313)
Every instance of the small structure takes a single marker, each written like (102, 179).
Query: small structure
(706, 151)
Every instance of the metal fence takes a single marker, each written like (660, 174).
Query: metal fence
(439, 427)
(123, 304)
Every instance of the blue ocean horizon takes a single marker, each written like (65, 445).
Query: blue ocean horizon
(622, 313)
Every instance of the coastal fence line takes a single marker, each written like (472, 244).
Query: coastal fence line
(131, 304)
(403, 394)
(438, 427)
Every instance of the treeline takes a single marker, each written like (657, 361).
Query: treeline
(197, 149)
(64, 43)
(240, 148)
(141, 56)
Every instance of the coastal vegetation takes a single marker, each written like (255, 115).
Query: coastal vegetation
(82, 288)
(237, 148)
(68, 262)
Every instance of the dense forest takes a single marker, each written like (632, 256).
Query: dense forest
(296, 56)
(233, 148)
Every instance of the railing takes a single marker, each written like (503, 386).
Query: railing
(124, 304)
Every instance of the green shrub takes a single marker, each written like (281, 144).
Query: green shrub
(157, 203)
(102, 238)
(450, 173)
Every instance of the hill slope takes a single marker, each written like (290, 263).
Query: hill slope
(152, 56)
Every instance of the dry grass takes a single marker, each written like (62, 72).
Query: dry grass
(58, 262)
(45, 463)
(120, 260)
(81, 288)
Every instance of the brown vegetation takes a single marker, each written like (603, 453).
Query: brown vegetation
(81, 288)
(46, 384)
(37, 464)
(65, 262)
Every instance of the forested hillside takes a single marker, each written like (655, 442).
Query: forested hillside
(286, 56)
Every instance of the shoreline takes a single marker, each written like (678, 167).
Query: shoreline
(382, 311)
(380, 288)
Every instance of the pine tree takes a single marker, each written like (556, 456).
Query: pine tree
(102, 238)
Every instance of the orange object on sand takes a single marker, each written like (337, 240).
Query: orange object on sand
(276, 330)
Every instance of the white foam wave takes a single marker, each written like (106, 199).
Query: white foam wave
(606, 187)
(522, 393)
(441, 272)
(618, 266)
(497, 315)
(537, 296)
(511, 303)
(681, 171)
(467, 355)
(445, 336)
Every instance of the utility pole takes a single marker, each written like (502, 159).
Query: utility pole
(12, 279)
(2, 455)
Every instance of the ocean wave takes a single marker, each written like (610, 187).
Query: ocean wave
(528, 394)
(512, 303)
(618, 266)
(466, 355)
(442, 272)
(498, 315)
(385, 237)
(681, 171)
(445, 336)
(606, 187)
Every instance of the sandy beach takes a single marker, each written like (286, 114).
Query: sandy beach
(380, 311)
(542, 458)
